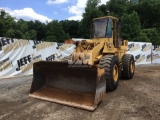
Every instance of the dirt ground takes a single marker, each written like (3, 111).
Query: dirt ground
(136, 99)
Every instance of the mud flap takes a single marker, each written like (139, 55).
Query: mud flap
(58, 82)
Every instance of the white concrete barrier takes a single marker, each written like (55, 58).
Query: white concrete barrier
(17, 56)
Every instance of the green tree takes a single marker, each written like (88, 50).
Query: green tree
(71, 27)
(148, 11)
(51, 38)
(55, 31)
(10, 33)
(104, 9)
(153, 35)
(117, 7)
(131, 26)
(18, 34)
(67, 36)
(33, 34)
(7, 25)
(22, 25)
(39, 27)
(142, 37)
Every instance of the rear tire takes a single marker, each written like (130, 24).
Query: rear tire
(128, 66)
(111, 67)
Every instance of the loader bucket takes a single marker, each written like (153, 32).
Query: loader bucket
(80, 87)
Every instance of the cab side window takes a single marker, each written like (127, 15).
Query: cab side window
(109, 28)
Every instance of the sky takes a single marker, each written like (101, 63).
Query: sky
(43, 10)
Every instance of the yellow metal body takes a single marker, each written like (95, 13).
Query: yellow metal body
(93, 52)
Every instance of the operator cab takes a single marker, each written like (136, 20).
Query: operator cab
(107, 27)
(102, 28)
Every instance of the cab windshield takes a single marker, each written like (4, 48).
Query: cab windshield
(102, 28)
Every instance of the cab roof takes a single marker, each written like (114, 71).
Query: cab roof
(114, 18)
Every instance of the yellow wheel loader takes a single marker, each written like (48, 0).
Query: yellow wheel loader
(95, 66)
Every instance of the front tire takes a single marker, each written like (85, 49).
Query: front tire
(111, 67)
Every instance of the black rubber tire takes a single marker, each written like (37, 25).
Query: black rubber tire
(128, 71)
(108, 62)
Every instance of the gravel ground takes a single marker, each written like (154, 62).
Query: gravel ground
(136, 99)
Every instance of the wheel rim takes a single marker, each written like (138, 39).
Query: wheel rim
(115, 73)
(132, 67)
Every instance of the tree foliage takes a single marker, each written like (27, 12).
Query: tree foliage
(153, 35)
(117, 7)
(71, 27)
(131, 28)
(141, 22)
